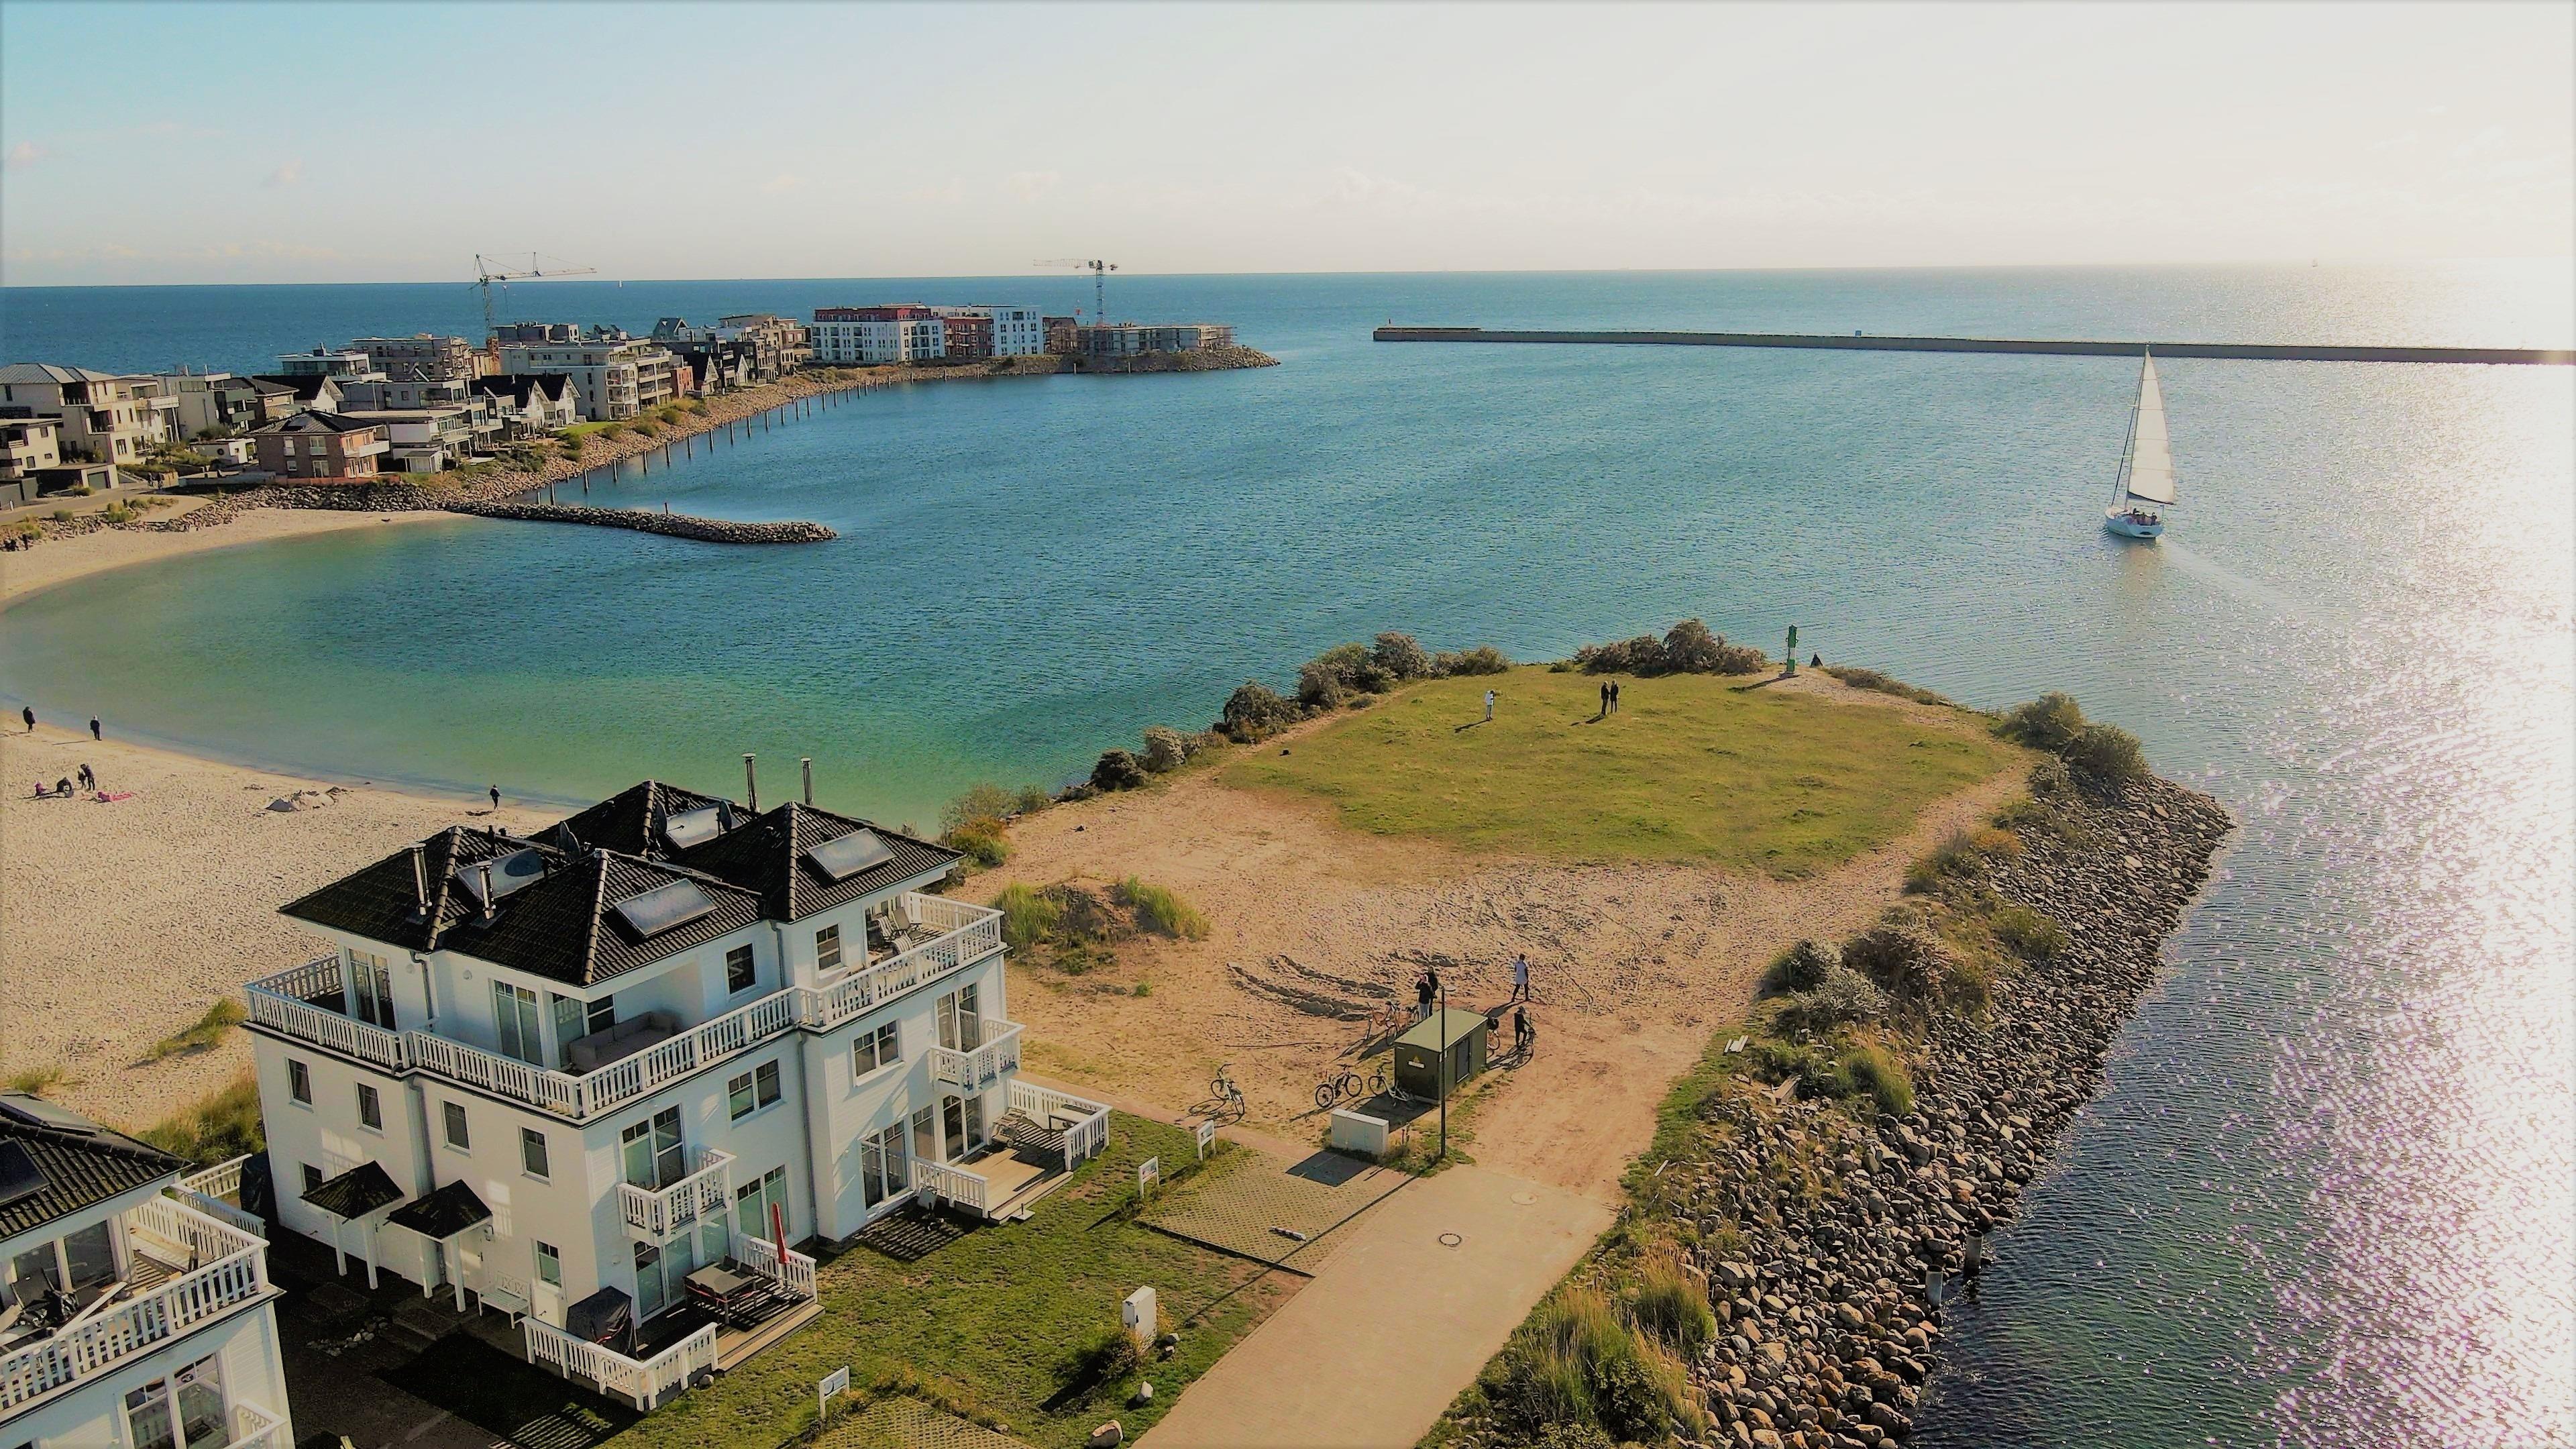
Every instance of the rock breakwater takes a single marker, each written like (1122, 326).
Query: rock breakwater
(670, 525)
(1826, 1230)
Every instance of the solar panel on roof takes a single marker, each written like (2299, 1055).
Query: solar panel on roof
(35, 1111)
(845, 856)
(694, 827)
(510, 873)
(664, 907)
(20, 1177)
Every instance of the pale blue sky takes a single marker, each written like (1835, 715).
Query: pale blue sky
(327, 142)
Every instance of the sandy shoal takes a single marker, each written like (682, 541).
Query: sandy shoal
(60, 560)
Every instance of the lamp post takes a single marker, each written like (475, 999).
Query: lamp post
(1440, 1043)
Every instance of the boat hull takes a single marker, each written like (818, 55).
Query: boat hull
(2127, 527)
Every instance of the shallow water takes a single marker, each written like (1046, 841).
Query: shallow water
(2326, 1197)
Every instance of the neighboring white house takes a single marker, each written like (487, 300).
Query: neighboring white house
(871, 335)
(563, 1071)
(615, 376)
(134, 1312)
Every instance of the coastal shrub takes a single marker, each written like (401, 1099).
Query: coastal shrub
(1879, 1075)
(1255, 712)
(1905, 965)
(1670, 1308)
(1330, 678)
(2027, 933)
(982, 841)
(1028, 915)
(220, 1126)
(34, 1081)
(1843, 997)
(1401, 656)
(1483, 659)
(1161, 910)
(1641, 655)
(63, 515)
(1966, 983)
(983, 803)
(1109, 1355)
(1032, 799)
(1871, 679)
(1117, 770)
(204, 1032)
(2049, 780)
(2051, 722)
(1803, 967)
(2109, 752)
(1165, 749)
(117, 513)
(1689, 648)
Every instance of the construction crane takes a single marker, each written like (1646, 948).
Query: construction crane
(486, 273)
(1099, 283)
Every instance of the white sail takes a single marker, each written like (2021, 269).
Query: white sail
(2151, 472)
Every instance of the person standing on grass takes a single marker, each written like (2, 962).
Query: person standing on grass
(1489, 708)
(1605, 701)
(1614, 696)
(1520, 977)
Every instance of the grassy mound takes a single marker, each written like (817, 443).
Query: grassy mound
(1692, 768)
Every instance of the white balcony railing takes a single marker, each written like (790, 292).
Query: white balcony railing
(979, 1069)
(950, 1184)
(216, 1192)
(1087, 1131)
(226, 1269)
(283, 1004)
(794, 1273)
(256, 1428)
(644, 1382)
(704, 1194)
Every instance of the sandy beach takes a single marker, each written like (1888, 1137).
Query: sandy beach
(58, 560)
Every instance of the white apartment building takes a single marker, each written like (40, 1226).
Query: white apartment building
(869, 336)
(102, 417)
(135, 1311)
(615, 377)
(1017, 331)
(563, 1072)
(340, 366)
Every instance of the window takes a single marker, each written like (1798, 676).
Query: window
(883, 1171)
(827, 949)
(603, 1013)
(549, 1265)
(299, 1081)
(532, 1152)
(739, 973)
(312, 1178)
(752, 1090)
(961, 1025)
(752, 1201)
(879, 1048)
(192, 1400)
(514, 1022)
(455, 1115)
(654, 1156)
(371, 988)
(371, 1108)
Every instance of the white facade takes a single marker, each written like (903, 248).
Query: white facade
(615, 377)
(185, 1351)
(1017, 331)
(870, 341)
(784, 1073)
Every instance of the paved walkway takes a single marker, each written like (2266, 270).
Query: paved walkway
(1395, 1322)
(1242, 1203)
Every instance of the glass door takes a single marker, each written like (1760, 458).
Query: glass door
(514, 1017)
(648, 1282)
(371, 989)
(654, 1156)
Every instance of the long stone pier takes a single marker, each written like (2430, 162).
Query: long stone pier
(1865, 342)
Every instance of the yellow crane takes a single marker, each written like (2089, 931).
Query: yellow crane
(1099, 283)
(487, 271)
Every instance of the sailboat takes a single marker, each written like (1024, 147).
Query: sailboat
(2145, 487)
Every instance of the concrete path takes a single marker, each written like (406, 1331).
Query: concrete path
(1395, 1323)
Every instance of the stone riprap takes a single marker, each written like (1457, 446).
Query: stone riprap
(670, 525)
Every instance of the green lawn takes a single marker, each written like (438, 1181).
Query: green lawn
(992, 1318)
(1692, 768)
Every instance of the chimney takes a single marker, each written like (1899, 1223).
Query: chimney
(750, 786)
(487, 890)
(420, 879)
(808, 763)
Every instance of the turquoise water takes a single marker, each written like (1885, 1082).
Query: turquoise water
(2326, 1197)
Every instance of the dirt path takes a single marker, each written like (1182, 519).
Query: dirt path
(1315, 926)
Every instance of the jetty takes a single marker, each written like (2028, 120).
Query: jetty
(2051, 347)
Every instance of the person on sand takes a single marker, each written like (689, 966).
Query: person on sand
(88, 778)
(496, 797)
(1520, 977)
(29, 715)
(1520, 1027)
(1422, 991)
(1489, 708)
(63, 788)
(93, 728)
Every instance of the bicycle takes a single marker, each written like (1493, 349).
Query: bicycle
(1349, 1085)
(1224, 1091)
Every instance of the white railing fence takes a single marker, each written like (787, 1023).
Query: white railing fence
(216, 1192)
(976, 1070)
(705, 1193)
(795, 1273)
(255, 1428)
(1088, 1130)
(644, 1382)
(224, 1266)
(949, 1184)
(970, 934)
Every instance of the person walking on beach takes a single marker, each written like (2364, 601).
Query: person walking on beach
(29, 715)
(88, 778)
(1520, 977)
(1489, 708)
(93, 728)
(496, 797)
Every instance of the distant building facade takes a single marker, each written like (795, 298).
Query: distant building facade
(101, 417)
(998, 331)
(321, 445)
(530, 403)
(224, 403)
(869, 336)
(421, 357)
(1130, 339)
(616, 376)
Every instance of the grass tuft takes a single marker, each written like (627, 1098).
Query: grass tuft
(207, 1030)
(222, 1125)
(1161, 910)
(1028, 915)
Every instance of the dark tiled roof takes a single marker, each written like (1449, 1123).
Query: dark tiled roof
(305, 386)
(566, 927)
(628, 821)
(270, 387)
(355, 1193)
(767, 854)
(517, 386)
(310, 422)
(380, 901)
(82, 1169)
(442, 1214)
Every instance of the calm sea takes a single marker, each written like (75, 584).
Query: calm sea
(2329, 1195)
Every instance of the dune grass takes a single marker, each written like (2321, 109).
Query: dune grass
(1692, 768)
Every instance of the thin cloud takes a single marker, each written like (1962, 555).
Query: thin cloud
(1030, 185)
(26, 153)
(290, 174)
(782, 182)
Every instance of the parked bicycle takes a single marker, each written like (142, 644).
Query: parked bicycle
(1225, 1092)
(1349, 1086)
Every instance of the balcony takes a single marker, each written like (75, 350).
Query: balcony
(186, 1269)
(256, 1428)
(704, 1195)
(979, 1069)
(1044, 1135)
(303, 1004)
